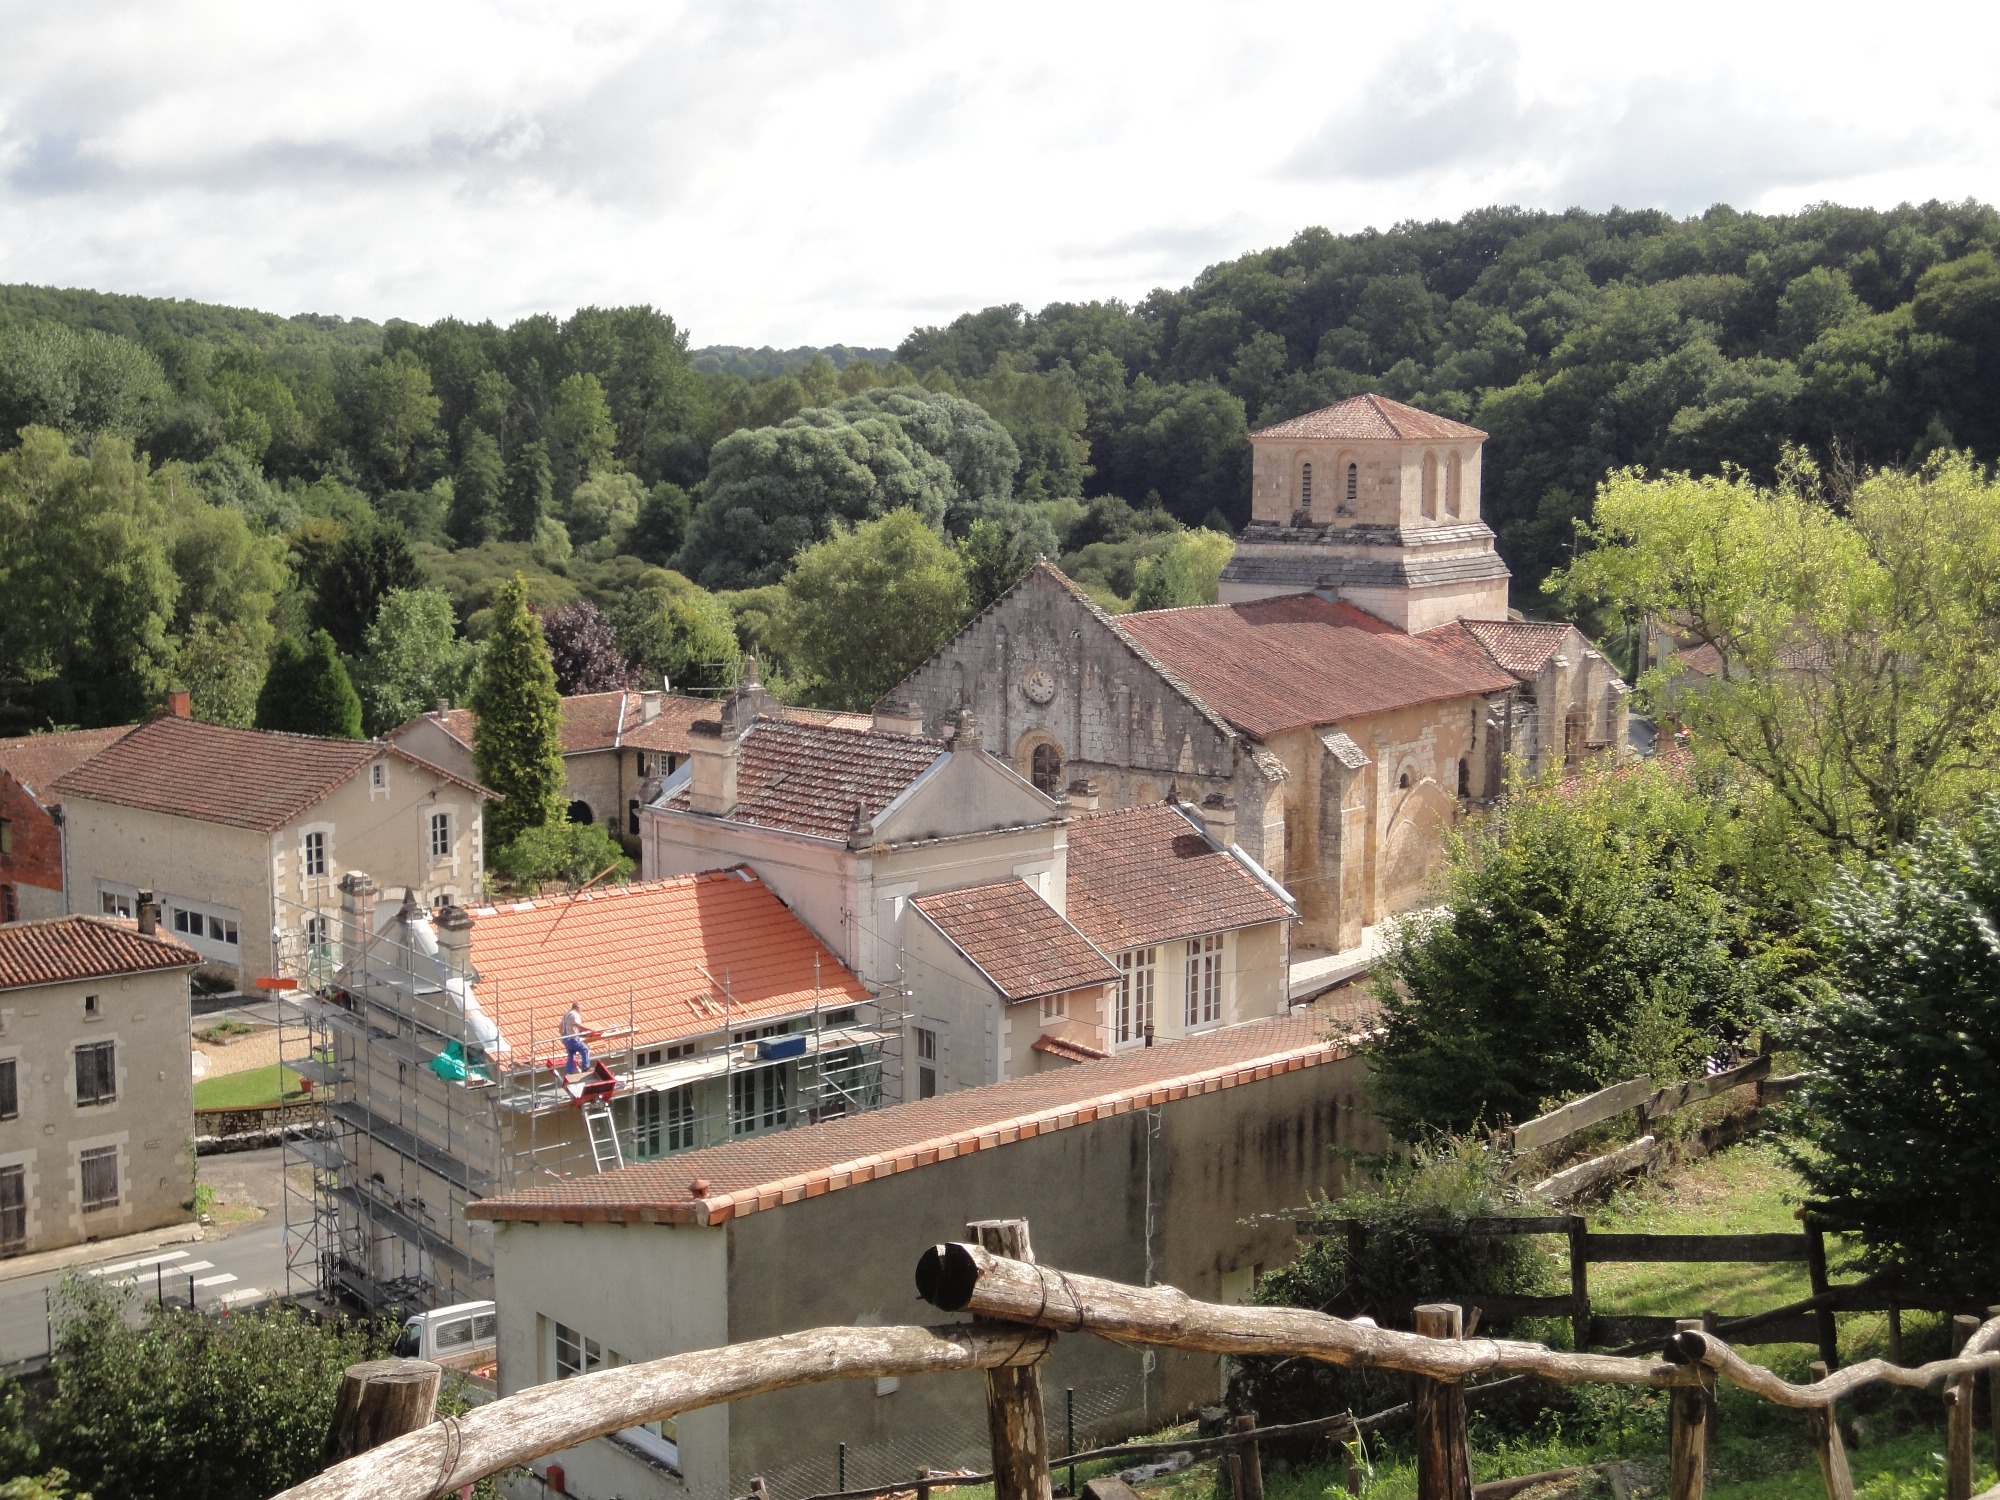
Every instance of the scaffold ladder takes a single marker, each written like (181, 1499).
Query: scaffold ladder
(603, 1133)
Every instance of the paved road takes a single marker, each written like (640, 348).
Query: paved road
(235, 1265)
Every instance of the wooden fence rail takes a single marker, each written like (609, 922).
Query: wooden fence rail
(1031, 1305)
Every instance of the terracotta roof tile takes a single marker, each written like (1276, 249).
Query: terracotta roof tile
(643, 954)
(1143, 875)
(768, 1171)
(1283, 663)
(605, 721)
(1523, 647)
(1067, 1050)
(1016, 939)
(37, 760)
(61, 949)
(245, 778)
(1372, 418)
(811, 778)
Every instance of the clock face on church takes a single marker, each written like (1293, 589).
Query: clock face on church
(1039, 685)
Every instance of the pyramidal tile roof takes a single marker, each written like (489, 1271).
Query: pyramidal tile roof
(1372, 418)
(61, 949)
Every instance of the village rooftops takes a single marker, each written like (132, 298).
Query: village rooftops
(711, 1186)
(246, 778)
(815, 779)
(60, 950)
(1147, 874)
(1372, 418)
(38, 760)
(671, 958)
(1285, 663)
(1016, 939)
(654, 722)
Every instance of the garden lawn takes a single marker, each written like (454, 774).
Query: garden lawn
(275, 1084)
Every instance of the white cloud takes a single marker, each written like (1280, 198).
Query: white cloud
(794, 172)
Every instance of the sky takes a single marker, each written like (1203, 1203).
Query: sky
(834, 172)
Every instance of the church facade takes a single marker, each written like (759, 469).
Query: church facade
(1357, 689)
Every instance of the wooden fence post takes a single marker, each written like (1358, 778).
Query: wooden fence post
(380, 1400)
(1579, 1283)
(1823, 1422)
(1829, 1336)
(1014, 1415)
(1687, 1431)
(1958, 1418)
(1249, 1465)
(1444, 1459)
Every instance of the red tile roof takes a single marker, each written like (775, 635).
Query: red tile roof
(1144, 875)
(246, 778)
(1284, 663)
(1016, 939)
(1067, 1050)
(1372, 417)
(812, 779)
(657, 955)
(606, 721)
(37, 760)
(61, 949)
(1523, 647)
(768, 1171)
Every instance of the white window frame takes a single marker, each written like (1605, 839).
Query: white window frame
(378, 779)
(324, 833)
(437, 818)
(1203, 995)
(117, 901)
(1138, 989)
(657, 1442)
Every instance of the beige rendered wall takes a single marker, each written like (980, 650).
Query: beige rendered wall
(429, 740)
(151, 1121)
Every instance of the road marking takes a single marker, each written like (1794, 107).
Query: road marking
(248, 1294)
(221, 1280)
(140, 1278)
(133, 1265)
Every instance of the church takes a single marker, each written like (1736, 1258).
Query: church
(1358, 688)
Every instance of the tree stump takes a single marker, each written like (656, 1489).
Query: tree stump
(1444, 1461)
(380, 1400)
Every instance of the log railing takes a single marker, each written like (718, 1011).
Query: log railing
(1024, 1306)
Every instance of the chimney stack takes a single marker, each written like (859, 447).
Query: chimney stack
(149, 913)
(713, 746)
(649, 707)
(1218, 818)
(894, 716)
(180, 703)
(1081, 797)
(454, 935)
(357, 913)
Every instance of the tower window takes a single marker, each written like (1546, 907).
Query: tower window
(1431, 485)
(1353, 482)
(1453, 484)
(1306, 486)
(1046, 769)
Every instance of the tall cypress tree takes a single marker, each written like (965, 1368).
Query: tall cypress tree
(530, 492)
(517, 744)
(307, 691)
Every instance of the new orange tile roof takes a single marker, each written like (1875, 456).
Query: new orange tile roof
(672, 958)
(1372, 417)
(1144, 875)
(37, 760)
(1284, 663)
(246, 778)
(1016, 939)
(59, 949)
(814, 778)
(768, 1171)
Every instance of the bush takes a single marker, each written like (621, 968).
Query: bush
(566, 853)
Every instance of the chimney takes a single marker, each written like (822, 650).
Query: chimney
(967, 737)
(357, 912)
(1218, 818)
(713, 746)
(149, 913)
(649, 707)
(441, 707)
(454, 933)
(180, 703)
(893, 716)
(1081, 797)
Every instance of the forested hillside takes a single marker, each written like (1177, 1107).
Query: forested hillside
(181, 484)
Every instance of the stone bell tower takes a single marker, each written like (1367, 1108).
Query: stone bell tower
(1377, 504)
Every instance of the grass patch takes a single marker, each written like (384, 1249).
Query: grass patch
(249, 1089)
(223, 1031)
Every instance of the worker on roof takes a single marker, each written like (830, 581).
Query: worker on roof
(576, 1050)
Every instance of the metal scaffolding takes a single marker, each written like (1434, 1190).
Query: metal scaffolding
(423, 1108)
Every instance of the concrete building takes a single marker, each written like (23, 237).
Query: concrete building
(244, 835)
(1177, 1164)
(31, 845)
(617, 747)
(437, 1058)
(1022, 931)
(96, 1098)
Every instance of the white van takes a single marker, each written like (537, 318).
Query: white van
(462, 1336)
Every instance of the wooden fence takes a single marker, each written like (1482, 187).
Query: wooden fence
(1022, 1308)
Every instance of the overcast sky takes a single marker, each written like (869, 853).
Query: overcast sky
(834, 172)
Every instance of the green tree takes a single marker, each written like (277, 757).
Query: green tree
(307, 690)
(661, 525)
(366, 565)
(868, 605)
(477, 490)
(567, 854)
(395, 416)
(517, 745)
(1903, 1054)
(1587, 933)
(581, 438)
(82, 381)
(222, 666)
(604, 505)
(412, 658)
(1187, 573)
(1860, 652)
(994, 559)
(529, 494)
(676, 633)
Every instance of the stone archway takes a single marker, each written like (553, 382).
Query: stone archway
(1039, 759)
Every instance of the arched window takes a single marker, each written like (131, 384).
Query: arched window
(1306, 486)
(1046, 769)
(1454, 479)
(1403, 780)
(579, 812)
(1431, 485)
(1464, 778)
(1353, 482)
